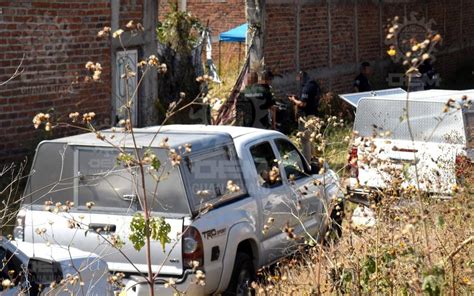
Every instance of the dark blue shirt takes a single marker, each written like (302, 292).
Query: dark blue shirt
(362, 83)
(310, 95)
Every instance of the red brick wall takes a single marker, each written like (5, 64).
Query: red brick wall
(130, 10)
(331, 51)
(57, 38)
(369, 28)
(221, 15)
(280, 37)
(314, 48)
(342, 31)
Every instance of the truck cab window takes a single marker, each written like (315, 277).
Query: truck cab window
(295, 166)
(266, 165)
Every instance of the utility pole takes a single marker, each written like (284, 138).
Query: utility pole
(255, 10)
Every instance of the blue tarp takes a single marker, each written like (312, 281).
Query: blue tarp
(237, 34)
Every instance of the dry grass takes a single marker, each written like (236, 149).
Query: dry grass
(230, 68)
(419, 245)
(391, 258)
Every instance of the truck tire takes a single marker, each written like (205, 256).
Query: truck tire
(243, 275)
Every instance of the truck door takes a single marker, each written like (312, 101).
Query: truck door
(306, 192)
(276, 206)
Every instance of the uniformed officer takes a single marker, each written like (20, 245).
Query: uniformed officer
(361, 82)
(308, 101)
(307, 106)
(258, 94)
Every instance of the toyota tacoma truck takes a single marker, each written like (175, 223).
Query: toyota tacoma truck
(235, 199)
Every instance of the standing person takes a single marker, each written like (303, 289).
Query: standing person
(361, 82)
(429, 76)
(269, 104)
(259, 97)
(307, 106)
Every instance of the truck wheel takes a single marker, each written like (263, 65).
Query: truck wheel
(243, 275)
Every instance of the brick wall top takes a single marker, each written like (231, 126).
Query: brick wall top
(336, 36)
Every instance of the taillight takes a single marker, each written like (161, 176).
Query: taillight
(193, 251)
(19, 230)
(354, 169)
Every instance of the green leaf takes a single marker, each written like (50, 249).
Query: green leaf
(440, 221)
(433, 281)
(346, 275)
(431, 285)
(137, 231)
(160, 231)
(179, 30)
(368, 268)
(155, 163)
(369, 265)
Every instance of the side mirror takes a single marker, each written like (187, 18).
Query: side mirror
(315, 167)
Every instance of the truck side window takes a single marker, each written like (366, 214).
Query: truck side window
(266, 165)
(295, 166)
(209, 174)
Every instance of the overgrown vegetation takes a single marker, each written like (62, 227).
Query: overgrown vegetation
(228, 72)
(419, 245)
(179, 30)
(179, 35)
(390, 258)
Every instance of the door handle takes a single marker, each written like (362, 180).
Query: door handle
(102, 228)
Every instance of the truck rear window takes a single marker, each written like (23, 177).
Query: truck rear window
(92, 174)
(111, 185)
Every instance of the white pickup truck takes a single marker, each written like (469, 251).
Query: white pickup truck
(276, 201)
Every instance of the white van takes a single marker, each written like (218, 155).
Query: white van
(442, 125)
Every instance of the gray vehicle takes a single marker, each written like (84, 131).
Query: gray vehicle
(253, 198)
(39, 269)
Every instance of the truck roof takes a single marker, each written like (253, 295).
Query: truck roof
(433, 95)
(199, 136)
